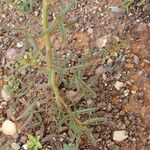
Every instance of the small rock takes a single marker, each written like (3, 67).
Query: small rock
(118, 85)
(25, 147)
(120, 135)
(121, 59)
(102, 41)
(12, 54)
(19, 44)
(15, 146)
(126, 92)
(109, 62)
(116, 10)
(136, 59)
(90, 31)
(109, 69)
(8, 127)
(23, 139)
(5, 95)
(104, 76)
(89, 102)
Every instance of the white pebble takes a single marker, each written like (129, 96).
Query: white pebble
(120, 135)
(118, 85)
(19, 44)
(25, 147)
(9, 128)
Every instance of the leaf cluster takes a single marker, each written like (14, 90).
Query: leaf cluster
(34, 142)
(25, 5)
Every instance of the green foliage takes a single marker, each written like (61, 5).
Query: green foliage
(34, 143)
(25, 5)
(12, 84)
(73, 78)
(131, 5)
(76, 129)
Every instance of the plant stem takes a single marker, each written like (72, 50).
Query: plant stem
(49, 56)
(47, 35)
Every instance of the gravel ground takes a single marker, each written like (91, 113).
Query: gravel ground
(123, 84)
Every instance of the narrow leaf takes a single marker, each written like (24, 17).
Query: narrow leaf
(62, 30)
(90, 136)
(31, 138)
(68, 7)
(94, 121)
(84, 111)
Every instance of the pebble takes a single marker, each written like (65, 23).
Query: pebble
(109, 62)
(120, 135)
(109, 69)
(122, 59)
(15, 146)
(136, 59)
(20, 44)
(25, 147)
(12, 54)
(23, 139)
(118, 85)
(102, 41)
(89, 102)
(8, 127)
(90, 31)
(116, 10)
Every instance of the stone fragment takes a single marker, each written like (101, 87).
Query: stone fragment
(9, 128)
(118, 85)
(120, 135)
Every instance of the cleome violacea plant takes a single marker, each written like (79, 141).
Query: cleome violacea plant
(67, 118)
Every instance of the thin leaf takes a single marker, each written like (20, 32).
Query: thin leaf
(84, 85)
(90, 136)
(94, 121)
(26, 122)
(27, 112)
(31, 138)
(30, 145)
(84, 111)
(62, 30)
(68, 7)
(70, 24)
(50, 27)
(62, 121)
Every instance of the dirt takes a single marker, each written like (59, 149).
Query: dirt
(126, 109)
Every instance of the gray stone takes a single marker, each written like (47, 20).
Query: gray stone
(116, 10)
(15, 146)
(109, 69)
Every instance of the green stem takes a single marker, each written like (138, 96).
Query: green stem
(49, 53)
(47, 35)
